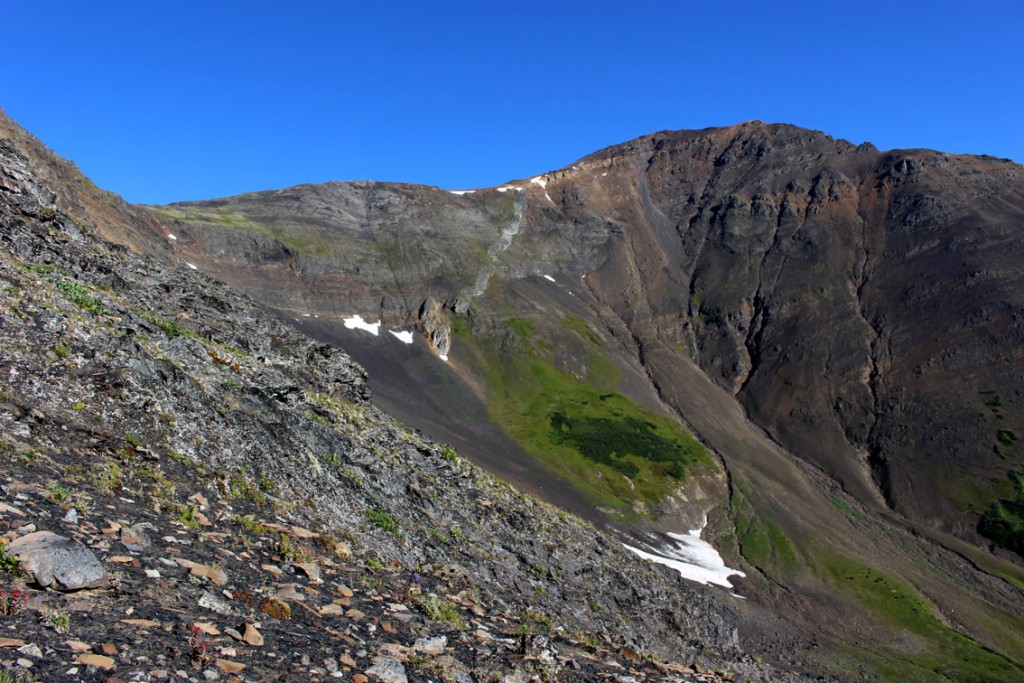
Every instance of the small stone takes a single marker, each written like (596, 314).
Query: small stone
(24, 663)
(233, 633)
(214, 603)
(273, 569)
(252, 636)
(346, 660)
(289, 592)
(397, 650)
(207, 628)
(11, 642)
(215, 574)
(359, 678)
(229, 652)
(78, 646)
(229, 667)
(345, 591)
(355, 614)
(153, 573)
(99, 661)
(108, 649)
(299, 532)
(72, 516)
(430, 646)
(388, 670)
(31, 650)
(310, 569)
(332, 610)
(26, 529)
(135, 537)
(144, 623)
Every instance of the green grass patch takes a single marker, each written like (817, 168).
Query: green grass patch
(522, 328)
(1004, 445)
(382, 519)
(437, 608)
(169, 327)
(76, 293)
(580, 327)
(620, 442)
(1003, 521)
(603, 442)
(761, 541)
(1007, 437)
(846, 508)
(576, 423)
(304, 241)
(938, 653)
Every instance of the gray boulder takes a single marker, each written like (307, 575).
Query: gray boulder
(58, 562)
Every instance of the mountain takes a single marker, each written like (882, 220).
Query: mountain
(210, 494)
(809, 344)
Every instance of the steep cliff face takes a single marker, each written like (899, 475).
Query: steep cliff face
(855, 302)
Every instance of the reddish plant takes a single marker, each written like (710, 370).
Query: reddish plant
(198, 649)
(11, 601)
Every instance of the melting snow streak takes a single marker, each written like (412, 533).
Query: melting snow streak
(356, 322)
(693, 558)
(405, 336)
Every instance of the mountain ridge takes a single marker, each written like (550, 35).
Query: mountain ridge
(604, 282)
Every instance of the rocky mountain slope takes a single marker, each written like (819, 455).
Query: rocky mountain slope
(234, 507)
(836, 325)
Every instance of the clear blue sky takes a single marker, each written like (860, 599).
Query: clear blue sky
(162, 101)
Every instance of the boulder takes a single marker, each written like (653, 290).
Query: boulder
(58, 562)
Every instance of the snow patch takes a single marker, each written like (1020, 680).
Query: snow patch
(404, 336)
(356, 322)
(539, 180)
(190, 265)
(462, 192)
(548, 277)
(172, 237)
(443, 356)
(604, 174)
(694, 558)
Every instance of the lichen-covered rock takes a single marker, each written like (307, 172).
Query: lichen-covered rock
(58, 562)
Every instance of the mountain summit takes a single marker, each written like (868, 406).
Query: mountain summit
(806, 349)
